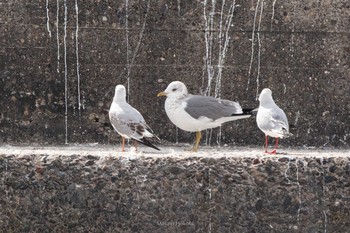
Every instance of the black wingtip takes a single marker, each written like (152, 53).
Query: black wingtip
(247, 111)
(147, 143)
(250, 111)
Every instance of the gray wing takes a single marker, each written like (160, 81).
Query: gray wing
(120, 124)
(210, 107)
(128, 122)
(127, 127)
(279, 117)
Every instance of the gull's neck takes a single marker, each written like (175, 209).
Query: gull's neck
(119, 99)
(267, 102)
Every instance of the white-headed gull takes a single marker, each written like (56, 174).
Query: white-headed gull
(271, 119)
(127, 121)
(195, 113)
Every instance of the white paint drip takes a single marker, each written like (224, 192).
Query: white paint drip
(223, 49)
(299, 190)
(127, 46)
(208, 135)
(208, 53)
(218, 137)
(222, 53)
(77, 56)
(297, 115)
(218, 77)
(48, 18)
(285, 172)
(324, 194)
(141, 35)
(179, 8)
(130, 63)
(291, 48)
(291, 45)
(296, 183)
(209, 25)
(223, 41)
(65, 72)
(325, 221)
(210, 200)
(253, 43)
(57, 36)
(273, 13)
(4, 178)
(259, 52)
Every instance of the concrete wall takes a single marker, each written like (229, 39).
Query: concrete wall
(60, 61)
(42, 193)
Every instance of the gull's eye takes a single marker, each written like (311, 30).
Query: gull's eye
(174, 89)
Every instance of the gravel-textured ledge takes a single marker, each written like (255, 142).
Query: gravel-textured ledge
(90, 193)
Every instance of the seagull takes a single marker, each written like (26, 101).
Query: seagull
(271, 119)
(127, 121)
(194, 113)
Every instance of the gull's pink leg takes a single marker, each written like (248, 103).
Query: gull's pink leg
(275, 150)
(123, 143)
(266, 143)
(276, 144)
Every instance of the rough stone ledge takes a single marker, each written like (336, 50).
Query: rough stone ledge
(180, 150)
(94, 188)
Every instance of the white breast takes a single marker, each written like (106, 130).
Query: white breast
(179, 117)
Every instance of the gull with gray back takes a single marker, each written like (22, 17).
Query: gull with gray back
(271, 119)
(127, 121)
(194, 113)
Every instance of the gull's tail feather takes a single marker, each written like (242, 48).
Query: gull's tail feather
(149, 133)
(146, 143)
(286, 134)
(250, 111)
(246, 112)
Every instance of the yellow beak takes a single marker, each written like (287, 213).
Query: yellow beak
(161, 94)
